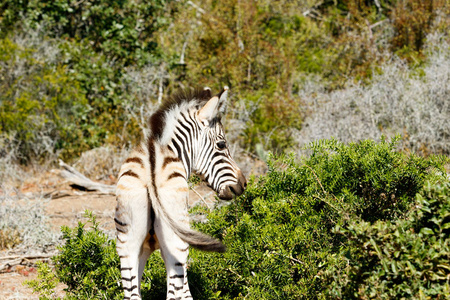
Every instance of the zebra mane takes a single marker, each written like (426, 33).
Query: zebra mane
(182, 98)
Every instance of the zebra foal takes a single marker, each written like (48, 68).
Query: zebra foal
(186, 135)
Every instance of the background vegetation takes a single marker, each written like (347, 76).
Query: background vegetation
(79, 74)
(360, 216)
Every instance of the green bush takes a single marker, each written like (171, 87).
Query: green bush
(69, 98)
(41, 104)
(123, 30)
(297, 228)
(280, 234)
(404, 259)
(88, 263)
(265, 131)
(101, 82)
(60, 97)
(45, 283)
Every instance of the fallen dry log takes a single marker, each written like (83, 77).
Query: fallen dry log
(80, 181)
(9, 262)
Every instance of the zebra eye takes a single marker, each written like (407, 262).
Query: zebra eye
(221, 145)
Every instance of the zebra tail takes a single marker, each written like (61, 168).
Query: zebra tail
(194, 238)
(199, 240)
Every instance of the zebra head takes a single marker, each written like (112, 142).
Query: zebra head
(214, 162)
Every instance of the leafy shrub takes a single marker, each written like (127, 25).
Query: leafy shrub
(280, 235)
(45, 282)
(67, 95)
(100, 81)
(153, 285)
(40, 104)
(123, 30)
(263, 130)
(60, 98)
(404, 259)
(88, 263)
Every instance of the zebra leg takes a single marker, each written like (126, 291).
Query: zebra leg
(150, 245)
(174, 252)
(132, 230)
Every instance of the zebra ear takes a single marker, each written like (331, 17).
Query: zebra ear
(209, 110)
(223, 95)
(215, 106)
(207, 92)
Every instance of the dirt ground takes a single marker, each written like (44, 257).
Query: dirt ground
(67, 207)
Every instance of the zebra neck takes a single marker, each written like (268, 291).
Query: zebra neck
(183, 150)
(183, 135)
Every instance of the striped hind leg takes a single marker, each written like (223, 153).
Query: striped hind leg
(174, 252)
(132, 229)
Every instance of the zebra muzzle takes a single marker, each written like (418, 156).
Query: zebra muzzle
(236, 189)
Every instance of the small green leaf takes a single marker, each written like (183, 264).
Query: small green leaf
(427, 231)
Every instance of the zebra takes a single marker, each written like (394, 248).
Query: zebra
(186, 136)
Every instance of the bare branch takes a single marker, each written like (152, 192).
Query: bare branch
(80, 180)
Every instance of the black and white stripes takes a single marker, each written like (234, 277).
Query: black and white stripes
(186, 136)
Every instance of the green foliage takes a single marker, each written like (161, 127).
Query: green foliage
(45, 282)
(73, 100)
(153, 285)
(266, 130)
(280, 235)
(404, 259)
(343, 223)
(101, 83)
(65, 104)
(123, 30)
(41, 102)
(377, 181)
(263, 50)
(88, 263)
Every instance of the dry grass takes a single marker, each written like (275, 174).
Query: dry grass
(399, 100)
(101, 163)
(23, 224)
(9, 238)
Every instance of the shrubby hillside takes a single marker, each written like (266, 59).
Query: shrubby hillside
(77, 75)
